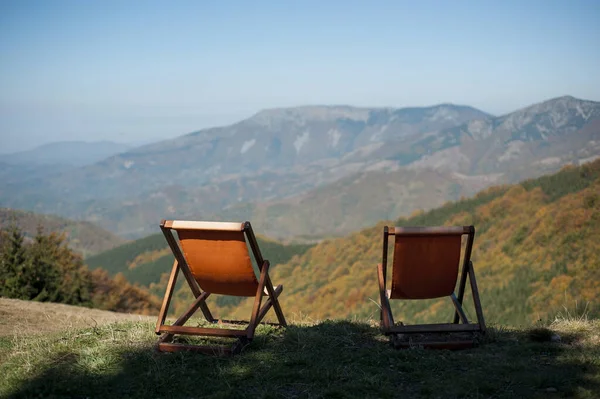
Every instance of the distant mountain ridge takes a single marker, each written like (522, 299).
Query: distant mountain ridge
(273, 141)
(296, 163)
(437, 167)
(83, 237)
(68, 153)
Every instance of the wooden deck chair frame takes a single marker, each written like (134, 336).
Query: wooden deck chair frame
(388, 326)
(264, 288)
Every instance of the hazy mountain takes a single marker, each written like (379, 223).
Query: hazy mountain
(291, 150)
(273, 141)
(83, 237)
(69, 153)
(438, 167)
(319, 170)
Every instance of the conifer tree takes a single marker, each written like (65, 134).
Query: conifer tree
(43, 274)
(12, 260)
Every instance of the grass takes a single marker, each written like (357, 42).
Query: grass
(19, 317)
(328, 359)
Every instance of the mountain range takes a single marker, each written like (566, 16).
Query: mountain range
(66, 153)
(301, 172)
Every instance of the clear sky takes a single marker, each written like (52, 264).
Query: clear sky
(135, 71)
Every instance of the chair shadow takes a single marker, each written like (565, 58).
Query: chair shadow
(329, 359)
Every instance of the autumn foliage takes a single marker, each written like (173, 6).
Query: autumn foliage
(536, 252)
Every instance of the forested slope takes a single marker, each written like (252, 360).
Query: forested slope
(536, 251)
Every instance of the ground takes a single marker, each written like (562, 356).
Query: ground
(323, 359)
(19, 317)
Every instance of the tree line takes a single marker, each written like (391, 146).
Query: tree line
(45, 269)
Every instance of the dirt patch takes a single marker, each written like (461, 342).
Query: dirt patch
(27, 317)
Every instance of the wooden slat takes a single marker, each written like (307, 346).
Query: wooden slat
(459, 309)
(200, 225)
(244, 322)
(273, 296)
(476, 299)
(437, 230)
(191, 310)
(425, 328)
(162, 315)
(386, 318)
(254, 245)
(258, 300)
(267, 306)
(383, 273)
(211, 332)
(185, 269)
(465, 270)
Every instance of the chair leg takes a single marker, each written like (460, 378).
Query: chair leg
(386, 318)
(461, 290)
(168, 295)
(274, 299)
(476, 299)
(459, 309)
(186, 315)
(270, 302)
(258, 300)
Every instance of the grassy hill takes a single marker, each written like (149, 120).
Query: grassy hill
(320, 359)
(144, 261)
(83, 237)
(537, 250)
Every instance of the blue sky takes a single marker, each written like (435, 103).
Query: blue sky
(136, 71)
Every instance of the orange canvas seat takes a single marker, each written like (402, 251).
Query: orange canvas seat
(214, 259)
(425, 265)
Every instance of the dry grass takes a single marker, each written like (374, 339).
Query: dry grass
(26, 317)
(308, 359)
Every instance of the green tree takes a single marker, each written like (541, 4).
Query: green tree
(56, 272)
(42, 271)
(12, 260)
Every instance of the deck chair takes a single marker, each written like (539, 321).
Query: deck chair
(214, 259)
(425, 266)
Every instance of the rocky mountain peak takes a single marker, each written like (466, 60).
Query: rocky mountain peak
(299, 115)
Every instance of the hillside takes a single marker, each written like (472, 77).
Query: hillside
(146, 260)
(83, 237)
(536, 251)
